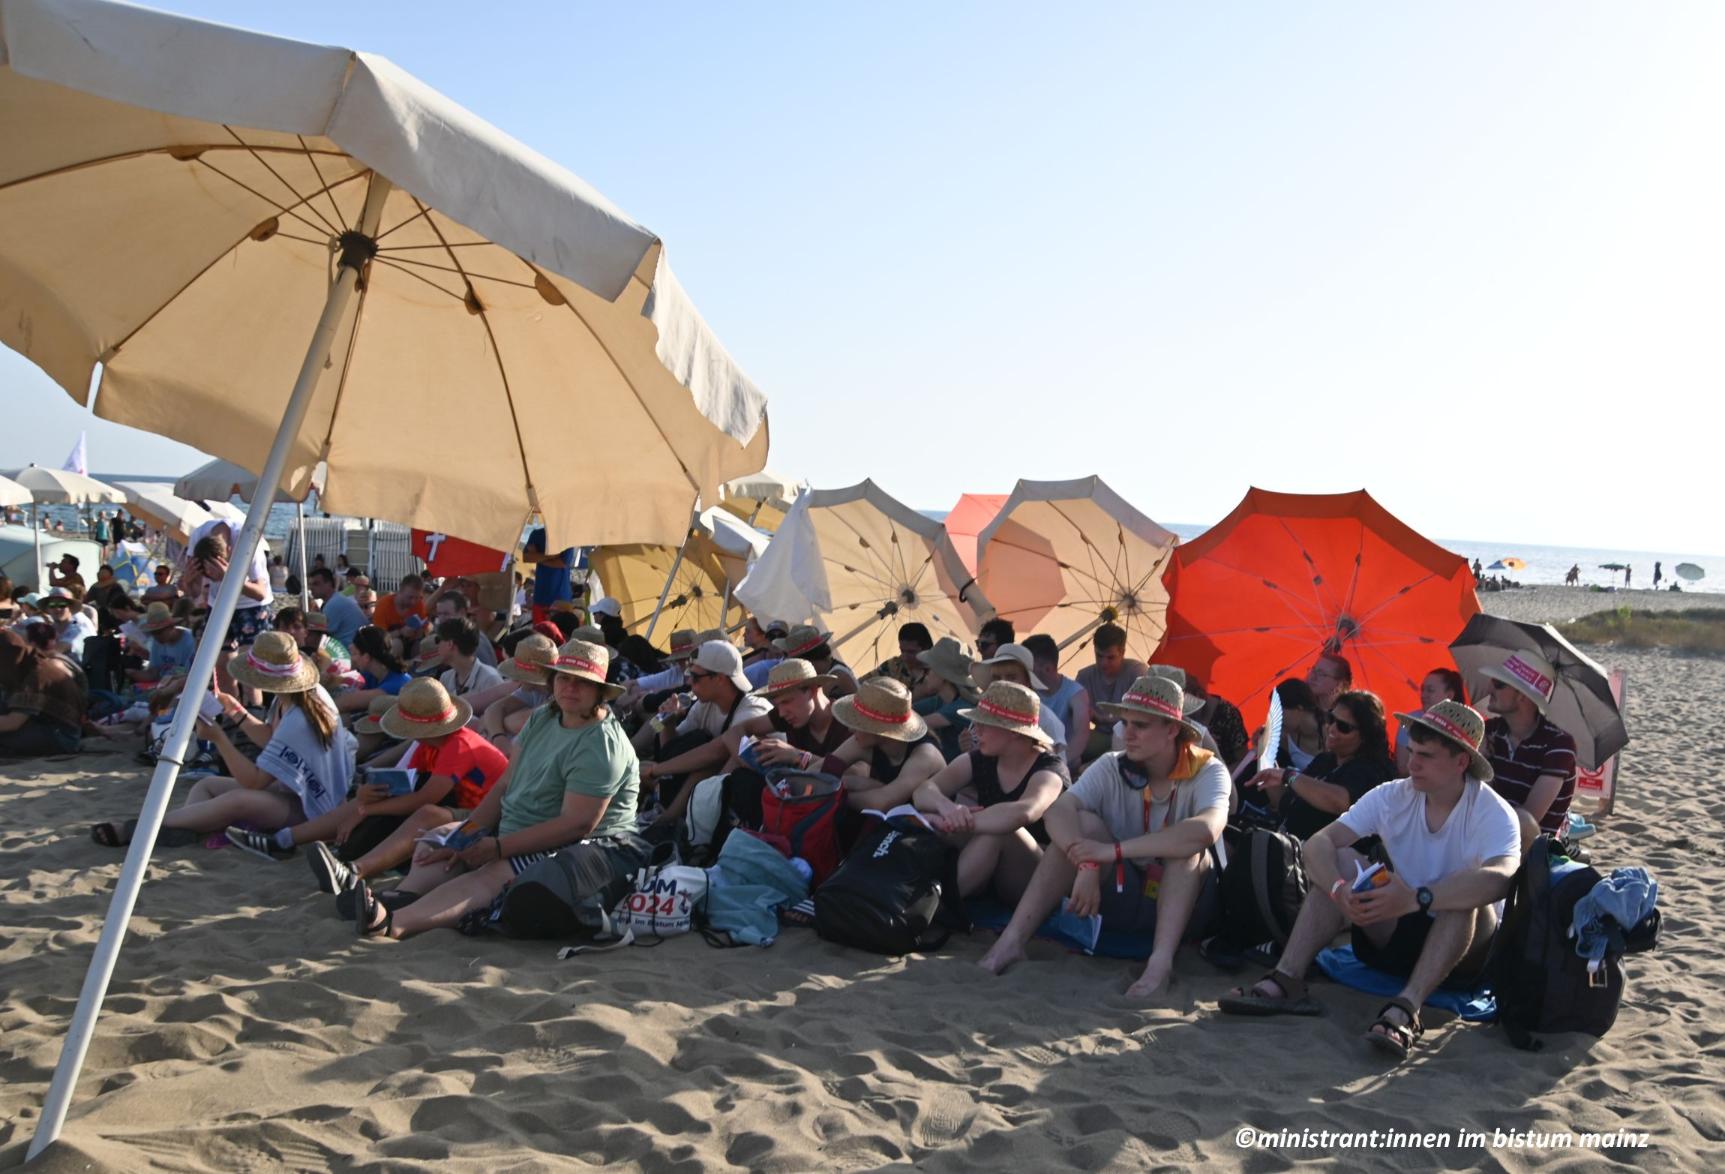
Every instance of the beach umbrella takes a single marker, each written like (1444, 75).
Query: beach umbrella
(967, 519)
(1064, 557)
(860, 563)
(1508, 564)
(219, 480)
(1581, 704)
(58, 487)
(760, 499)
(166, 509)
(1689, 571)
(1285, 577)
(131, 564)
(285, 253)
(12, 493)
(680, 587)
(1612, 567)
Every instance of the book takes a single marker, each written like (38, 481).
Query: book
(399, 782)
(903, 811)
(454, 838)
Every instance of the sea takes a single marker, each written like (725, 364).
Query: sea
(1545, 564)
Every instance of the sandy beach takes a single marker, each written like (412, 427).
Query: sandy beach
(246, 1028)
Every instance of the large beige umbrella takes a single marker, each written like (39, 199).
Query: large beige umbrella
(680, 587)
(12, 493)
(59, 487)
(861, 563)
(760, 499)
(1065, 557)
(477, 334)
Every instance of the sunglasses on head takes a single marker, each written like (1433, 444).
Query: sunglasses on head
(1342, 727)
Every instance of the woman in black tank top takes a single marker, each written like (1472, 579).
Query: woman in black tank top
(894, 742)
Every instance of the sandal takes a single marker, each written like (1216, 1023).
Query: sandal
(1396, 1038)
(1247, 1000)
(366, 907)
(114, 835)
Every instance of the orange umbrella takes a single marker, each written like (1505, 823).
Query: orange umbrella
(1287, 576)
(969, 518)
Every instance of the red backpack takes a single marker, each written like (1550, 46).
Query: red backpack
(800, 817)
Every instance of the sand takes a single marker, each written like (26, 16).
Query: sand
(247, 1029)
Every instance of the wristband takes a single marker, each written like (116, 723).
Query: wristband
(1089, 866)
(1340, 881)
(805, 760)
(1288, 774)
(498, 840)
(1119, 869)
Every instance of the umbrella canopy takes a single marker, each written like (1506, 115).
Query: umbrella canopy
(153, 501)
(220, 480)
(12, 493)
(694, 581)
(860, 563)
(1581, 704)
(1064, 557)
(761, 499)
(1689, 571)
(174, 195)
(64, 487)
(1612, 567)
(1508, 564)
(132, 566)
(968, 519)
(1286, 576)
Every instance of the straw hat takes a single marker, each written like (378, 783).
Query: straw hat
(948, 660)
(802, 640)
(585, 662)
(983, 674)
(1178, 675)
(372, 722)
(1012, 708)
(1527, 673)
(316, 621)
(794, 673)
(425, 709)
(273, 664)
(532, 658)
(722, 658)
(683, 644)
(1461, 725)
(591, 633)
(1153, 696)
(881, 706)
(157, 617)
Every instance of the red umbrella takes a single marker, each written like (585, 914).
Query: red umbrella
(969, 518)
(1287, 576)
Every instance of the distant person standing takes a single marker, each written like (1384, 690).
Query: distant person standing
(1478, 571)
(1573, 579)
(1627, 571)
(1658, 574)
(552, 574)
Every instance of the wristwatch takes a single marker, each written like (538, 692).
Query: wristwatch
(1424, 896)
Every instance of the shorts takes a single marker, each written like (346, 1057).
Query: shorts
(520, 864)
(1401, 953)
(1131, 910)
(248, 623)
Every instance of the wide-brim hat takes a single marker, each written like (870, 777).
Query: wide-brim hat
(683, 644)
(1461, 725)
(881, 706)
(947, 659)
(1012, 708)
(424, 709)
(1177, 674)
(982, 672)
(530, 661)
(372, 722)
(273, 664)
(1153, 696)
(586, 662)
(794, 673)
(802, 640)
(157, 617)
(1529, 674)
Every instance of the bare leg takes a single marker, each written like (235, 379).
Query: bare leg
(1182, 883)
(976, 863)
(1529, 829)
(424, 876)
(1458, 938)
(400, 844)
(325, 826)
(1320, 920)
(1051, 882)
(450, 902)
(230, 805)
(1019, 856)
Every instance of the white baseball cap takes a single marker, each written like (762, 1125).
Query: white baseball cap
(721, 657)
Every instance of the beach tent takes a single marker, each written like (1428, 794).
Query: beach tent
(1285, 576)
(859, 563)
(1065, 557)
(968, 519)
(23, 550)
(57, 486)
(680, 587)
(203, 212)
(132, 566)
(760, 499)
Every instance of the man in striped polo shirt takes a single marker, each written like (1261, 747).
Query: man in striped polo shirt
(1533, 759)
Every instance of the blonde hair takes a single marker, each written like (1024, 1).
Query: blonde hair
(322, 719)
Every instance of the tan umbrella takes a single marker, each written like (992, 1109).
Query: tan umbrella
(686, 587)
(220, 480)
(760, 499)
(478, 335)
(1065, 557)
(861, 563)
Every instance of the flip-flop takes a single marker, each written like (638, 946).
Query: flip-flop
(114, 835)
(1397, 1039)
(365, 910)
(1292, 1001)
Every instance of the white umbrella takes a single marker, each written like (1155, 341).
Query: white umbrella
(150, 500)
(761, 499)
(60, 487)
(12, 493)
(477, 334)
(220, 480)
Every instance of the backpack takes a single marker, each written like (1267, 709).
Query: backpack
(1262, 888)
(1540, 982)
(569, 894)
(896, 893)
(800, 816)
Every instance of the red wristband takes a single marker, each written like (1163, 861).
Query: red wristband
(1089, 866)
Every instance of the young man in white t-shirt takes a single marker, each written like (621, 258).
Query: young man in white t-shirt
(1454, 846)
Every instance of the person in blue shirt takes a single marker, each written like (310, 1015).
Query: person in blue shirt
(552, 574)
(340, 612)
(378, 664)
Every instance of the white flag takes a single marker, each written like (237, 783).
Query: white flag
(77, 462)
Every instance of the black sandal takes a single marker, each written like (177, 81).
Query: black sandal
(365, 910)
(1246, 1000)
(1395, 1038)
(114, 835)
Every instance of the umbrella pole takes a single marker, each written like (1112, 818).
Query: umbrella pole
(36, 516)
(198, 677)
(304, 589)
(676, 564)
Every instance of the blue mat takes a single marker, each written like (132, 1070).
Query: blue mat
(991, 914)
(1476, 1006)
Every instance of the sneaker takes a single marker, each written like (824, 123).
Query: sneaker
(332, 875)
(258, 844)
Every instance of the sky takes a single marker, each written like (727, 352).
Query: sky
(1464, 256)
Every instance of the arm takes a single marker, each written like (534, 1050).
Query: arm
(1471, 888)
(580, 815)
(1319, 854)
(1186, 838)
(12, 721)
(240, 768)
(1539, 800)
(1330, 797)
(483, 699)
(1079, 734)
(1044, 789)
(923, 764)
(702, 758)
(935, 795)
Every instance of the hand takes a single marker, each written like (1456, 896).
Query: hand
(649, 771)
(371, 793)
(1266, 778)
(214, 568)
(967, 739)
(432, 855)
(207, 730)
(347, 825)
(775, 752)
(1383, 904)
(956, 818)
(671, 706)
(1085, 900)
(481, 852)
(1082, 852)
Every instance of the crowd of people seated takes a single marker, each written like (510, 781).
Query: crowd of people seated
(422, 733)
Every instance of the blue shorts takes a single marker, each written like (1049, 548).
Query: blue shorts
(247, 624)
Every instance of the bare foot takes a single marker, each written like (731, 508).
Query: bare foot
(1153, 981)
(1000, 957)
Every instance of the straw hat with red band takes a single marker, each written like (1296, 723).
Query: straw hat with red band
(1461, 725)
(794, 673)
(273, 664)
(1178, 675)
(1153, 696)
(1528, 673)
(157, 617)
(533, 656)
(683, 644)
(802, 640)
(881, 706)
(372, 722)
(585, 662)
(424, 709)
(1012, 708)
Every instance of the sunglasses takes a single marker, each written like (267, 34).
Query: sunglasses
(1342, 727)
(694, 676)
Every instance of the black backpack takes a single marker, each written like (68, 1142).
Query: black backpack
(896, 893)
(1540, 982)
(570, 894)
(1262, 888)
